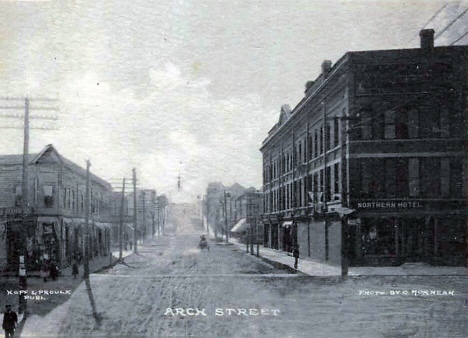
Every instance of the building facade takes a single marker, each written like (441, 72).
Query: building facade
(369, 167)
(55, 220)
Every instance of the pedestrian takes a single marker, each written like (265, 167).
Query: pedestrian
(75, 270)
(10, 322)
(296, 256)
(45, 269)
(54, 271)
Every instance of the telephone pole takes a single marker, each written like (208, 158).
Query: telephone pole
(86, 255)
(23, 282)
(144, 216)
(8, 111)
(135, 233)
(122, 203)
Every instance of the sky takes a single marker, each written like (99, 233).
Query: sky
(187, 87)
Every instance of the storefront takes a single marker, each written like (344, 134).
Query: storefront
(48, 237)
(406, 235)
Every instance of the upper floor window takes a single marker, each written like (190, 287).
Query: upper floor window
(336, 132)
(18, 195)
(48, 196)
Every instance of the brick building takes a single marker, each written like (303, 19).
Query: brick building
(56, 195)
(373, 154)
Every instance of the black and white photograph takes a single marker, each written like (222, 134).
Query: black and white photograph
(248, 168)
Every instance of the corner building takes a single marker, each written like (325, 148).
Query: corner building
(369, 166)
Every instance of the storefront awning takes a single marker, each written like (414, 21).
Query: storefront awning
(102, 226)
(240, 226)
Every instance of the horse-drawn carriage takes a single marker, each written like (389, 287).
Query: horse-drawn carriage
(203, 243)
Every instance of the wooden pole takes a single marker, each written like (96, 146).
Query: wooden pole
(135, 233)
(122, 203)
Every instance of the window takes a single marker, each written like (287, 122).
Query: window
(456, 177)
(315, 186)
(401, 124)
(429, 123)
(327, 136)
(336, 131)
(413, 123)
(321, 181)
(401, 178)
(48, 196)
(18, 195)
(390, 177)
(430, 174)
(444, 122)
(413, 177)
(36, 190)
(390, 124)
(366, 125)
(445, 177)
(328, 184)
(321, 140)
(316, 144)
(336, 178)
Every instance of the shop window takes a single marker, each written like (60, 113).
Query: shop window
(48, 196)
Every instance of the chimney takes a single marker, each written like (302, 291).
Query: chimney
(326, 67)
(427, 39)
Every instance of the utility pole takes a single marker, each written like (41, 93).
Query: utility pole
(23, 230)
(225, 216)
(23, 282)
(135, 233)
(144, 216)
(86, 255)
(122, 203)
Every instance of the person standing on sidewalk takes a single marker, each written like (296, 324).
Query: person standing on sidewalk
(75, 270)
(296, 255)
(10, 322)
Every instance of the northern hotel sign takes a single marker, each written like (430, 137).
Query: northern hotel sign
(394, 205)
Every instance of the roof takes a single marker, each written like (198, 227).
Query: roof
(33, 158)
(15, 159)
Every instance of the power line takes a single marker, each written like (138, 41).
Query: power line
(451, 23)
(429, 21)
(461, 37)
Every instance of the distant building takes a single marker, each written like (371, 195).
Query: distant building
(369, 166)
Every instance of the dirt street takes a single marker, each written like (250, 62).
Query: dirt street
(173, 289)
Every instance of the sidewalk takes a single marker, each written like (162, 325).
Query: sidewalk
(315, 268)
